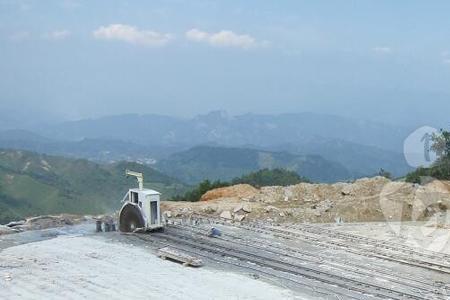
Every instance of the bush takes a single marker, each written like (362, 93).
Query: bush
(196, 193)
(264, 177)
(415, 176)
(385, 174)
(441, 168)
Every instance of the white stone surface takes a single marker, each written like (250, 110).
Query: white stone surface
(92, 268)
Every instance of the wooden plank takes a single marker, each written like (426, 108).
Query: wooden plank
(179, 256)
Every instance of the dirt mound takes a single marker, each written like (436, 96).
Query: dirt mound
(366, 199)
(236, 191)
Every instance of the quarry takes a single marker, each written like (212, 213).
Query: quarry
(370, 239)
(291, 150)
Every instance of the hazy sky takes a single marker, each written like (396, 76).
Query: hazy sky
(372, 59)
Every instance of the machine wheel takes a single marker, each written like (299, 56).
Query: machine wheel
(130, 218)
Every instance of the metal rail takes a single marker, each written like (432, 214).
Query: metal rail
(203, 244)
(269, 275)
(318, 258)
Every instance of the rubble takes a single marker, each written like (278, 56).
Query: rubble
(238, 208)
(15, 223)
(226, 215)
(209, 210)
(270, 208)
(365, 200)
(43, 222)
(6, 230)
(247, 208)
(239, 218)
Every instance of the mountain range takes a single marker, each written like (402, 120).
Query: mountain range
(225, 163)
(220, 128)
(362, 147)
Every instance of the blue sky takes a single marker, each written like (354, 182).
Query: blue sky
(386, 60)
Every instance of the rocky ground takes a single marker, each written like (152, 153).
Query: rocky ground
(42, 222)
(110, 266)
(365, 200)
(376, 239)
(251, 261)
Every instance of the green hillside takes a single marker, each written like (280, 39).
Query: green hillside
(33, 184)
(223, 163)
(260, 178)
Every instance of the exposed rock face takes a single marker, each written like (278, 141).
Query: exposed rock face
(236, 191)
(366, 199)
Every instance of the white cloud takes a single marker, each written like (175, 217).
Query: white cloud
(224, 38)
(57, 35)
(197, 35)
(132, 35)
(382, 50)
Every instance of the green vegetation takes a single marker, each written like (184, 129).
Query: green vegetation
(264, 177)
(385, 173)
(33, 184)
(441, 168)
(267, 177)
(197, 192)
(224, 164)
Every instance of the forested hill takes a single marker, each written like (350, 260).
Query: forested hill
(33, 184)
(226, 163)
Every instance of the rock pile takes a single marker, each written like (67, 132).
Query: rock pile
(366, 199)
(41, 222)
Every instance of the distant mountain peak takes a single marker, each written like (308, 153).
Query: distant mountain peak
(214, 116)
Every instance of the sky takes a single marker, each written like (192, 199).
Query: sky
(379, 60)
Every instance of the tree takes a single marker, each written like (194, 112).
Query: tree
(264, 177)
(441, 168)
(441, 144)
(385, 173)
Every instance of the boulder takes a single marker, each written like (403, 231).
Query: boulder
(270, 208)
(347, 190)
(15, 223)
(6, 230)
(226, 215)
(209, 210)
(168, 214)
(247, 208)
(238, 208)
(44, 222)
(239, 218)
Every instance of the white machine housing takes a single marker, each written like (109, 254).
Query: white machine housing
(148, 202)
